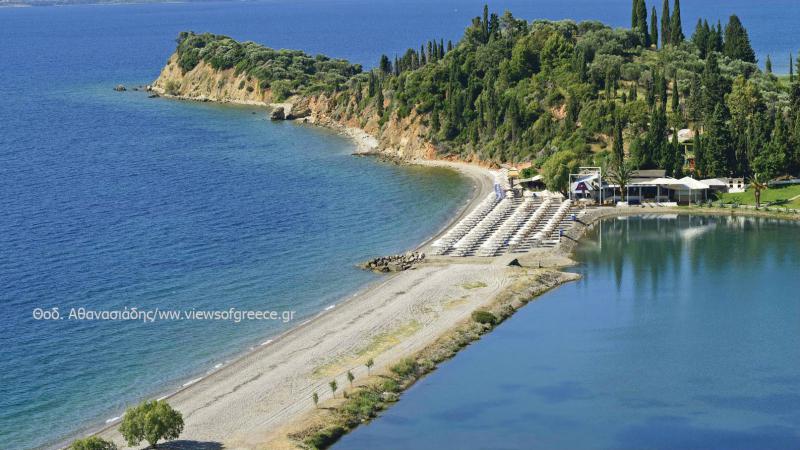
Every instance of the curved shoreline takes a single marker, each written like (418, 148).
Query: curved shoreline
(251, 399)
(482, 184)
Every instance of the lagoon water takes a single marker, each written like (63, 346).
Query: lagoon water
(113, 200)
(684, 332)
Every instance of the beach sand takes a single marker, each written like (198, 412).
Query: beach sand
(244, 403)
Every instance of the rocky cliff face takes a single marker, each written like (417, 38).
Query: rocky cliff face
(403, 139)
(204, 83)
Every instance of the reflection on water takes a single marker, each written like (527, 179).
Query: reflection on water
(684, 332)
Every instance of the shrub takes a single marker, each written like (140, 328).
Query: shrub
(172, 87)
(92, 443)
(404, 368)
(326, 437)
(484, 317)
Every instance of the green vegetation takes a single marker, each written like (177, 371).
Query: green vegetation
(560, 94)
(286, 71)
(778, 196)
(151, 421)
(92, 443)
(484, 317)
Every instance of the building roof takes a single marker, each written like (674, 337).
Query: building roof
(712, 182)
(693, 184)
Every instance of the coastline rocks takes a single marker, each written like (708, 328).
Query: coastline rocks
(394, 263)
(278, 114)
(120, 88)
(298, 112)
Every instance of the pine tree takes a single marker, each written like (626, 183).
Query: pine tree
(654, 27)
(665, 24)
(737, 43)
(676, 27)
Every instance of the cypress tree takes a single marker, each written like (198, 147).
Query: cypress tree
(371, 89)
(641, 23)
(679, 157)
(676, 27)
(737, 43)
(635, 14)
(665, 24)
(791, 69)
(379, 100)
(675, 96)
(716, 145)
(485, 23)
(713, 88)
(449, 46)
(618, 150)
(699, 155)
(718, 43)
(768, 65)
(422, 60)
(385, 65)
(700, 38)
(654, 27)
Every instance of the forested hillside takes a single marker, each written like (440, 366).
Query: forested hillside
(560, 94)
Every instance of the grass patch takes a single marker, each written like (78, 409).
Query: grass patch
(474, 285)
(771, 195)
(378, 345)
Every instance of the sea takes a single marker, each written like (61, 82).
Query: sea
(683, 333)
(113, 202)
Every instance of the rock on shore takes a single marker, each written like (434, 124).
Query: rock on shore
(394, 263)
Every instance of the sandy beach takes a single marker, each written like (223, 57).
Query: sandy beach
(243, 404)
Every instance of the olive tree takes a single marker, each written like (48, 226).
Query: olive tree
(151, 421)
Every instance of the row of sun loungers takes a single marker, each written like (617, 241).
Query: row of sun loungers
(554, 222)
(475, 236)
(500, 238)
(455, 234)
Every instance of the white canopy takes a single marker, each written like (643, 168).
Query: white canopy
(693, 184)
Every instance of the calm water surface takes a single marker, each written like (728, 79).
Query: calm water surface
(111, 200)
(684, 332)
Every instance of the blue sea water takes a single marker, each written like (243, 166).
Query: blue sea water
(684, 333)
(111, 200)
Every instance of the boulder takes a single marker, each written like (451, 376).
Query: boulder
(298, 112)
(278, 114)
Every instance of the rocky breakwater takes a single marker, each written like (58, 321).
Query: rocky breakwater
(394, 263)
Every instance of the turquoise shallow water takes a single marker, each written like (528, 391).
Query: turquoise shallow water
(110, 200)
(684, 332)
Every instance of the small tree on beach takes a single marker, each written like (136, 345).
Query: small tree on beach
(92, 443)
(151, 421)
(333, 386)
(757, 186)
(369, 365)
(315, 398)
(350, 378)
